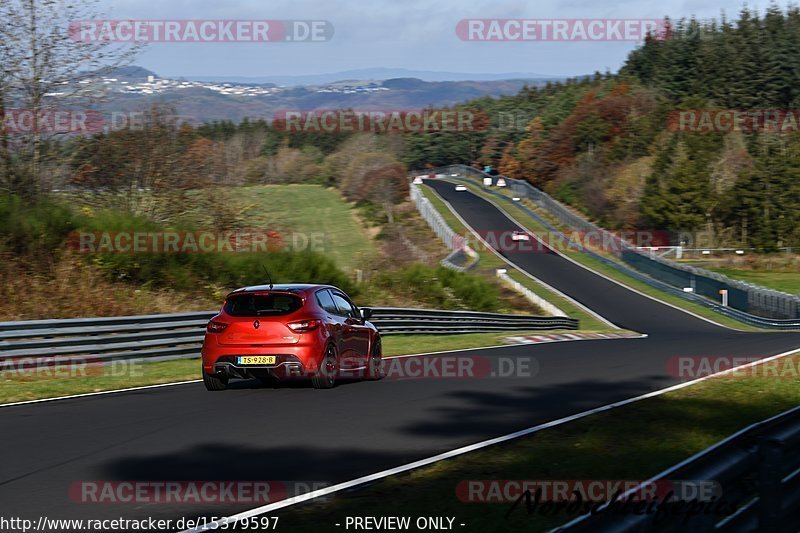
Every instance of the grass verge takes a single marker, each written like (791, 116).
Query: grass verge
(780, 281)
(633, 442)
(311, 216)
(34, 385)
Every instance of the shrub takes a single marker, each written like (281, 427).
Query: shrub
(219, 272)
(443, 288)
(45, 227)
(34, 230)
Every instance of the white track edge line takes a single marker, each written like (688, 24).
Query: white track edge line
(472, 447)
(99, 393)
(511, 263)
(621, 284)
(426, 354)
(680, 465)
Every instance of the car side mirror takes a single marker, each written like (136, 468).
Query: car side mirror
(366, 313)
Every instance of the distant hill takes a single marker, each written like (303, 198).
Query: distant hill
(378, 74)
(131, 73)
(405, 83)
(128, 89)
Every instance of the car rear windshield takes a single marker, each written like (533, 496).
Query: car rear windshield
(272, 304)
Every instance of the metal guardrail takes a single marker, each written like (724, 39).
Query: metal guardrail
(390, 320)
(758, 474)
(570, 219)
(463, 257)
(178, 336)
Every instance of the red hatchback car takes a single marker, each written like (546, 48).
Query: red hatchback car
(275, 332)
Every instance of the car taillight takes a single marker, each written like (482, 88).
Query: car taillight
(216, 327)
(305, 326)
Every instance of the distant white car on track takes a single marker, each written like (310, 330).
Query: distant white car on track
(461, 188)
(520, 236)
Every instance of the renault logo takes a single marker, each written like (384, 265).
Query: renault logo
(257, 324)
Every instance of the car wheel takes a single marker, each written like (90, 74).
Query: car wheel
(215, 383)
(375, 368)
(325, 377)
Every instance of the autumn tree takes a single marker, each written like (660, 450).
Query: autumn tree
(43, 65)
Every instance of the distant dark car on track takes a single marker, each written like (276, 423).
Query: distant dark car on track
(275, 332)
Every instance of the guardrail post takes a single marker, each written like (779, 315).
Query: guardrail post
(770, 453)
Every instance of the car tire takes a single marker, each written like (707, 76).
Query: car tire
(325, 377)
(215, 383)
(375, 365)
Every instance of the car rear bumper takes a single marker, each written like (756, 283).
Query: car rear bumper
(282, 370)
(295, 360)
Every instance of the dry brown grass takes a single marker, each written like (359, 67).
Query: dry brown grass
(409, 239)
(779, 262)
(69, 288)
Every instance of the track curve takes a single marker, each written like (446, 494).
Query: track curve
(294, 433)
(620, 305)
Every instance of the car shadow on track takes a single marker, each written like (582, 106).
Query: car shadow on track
(320, 443)
(299, 383)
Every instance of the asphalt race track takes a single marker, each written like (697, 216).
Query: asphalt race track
(295, 433)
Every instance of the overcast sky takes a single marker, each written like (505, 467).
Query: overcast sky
(413, 34)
